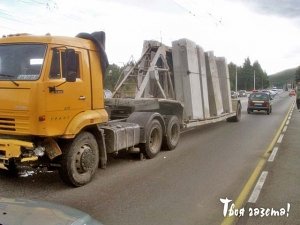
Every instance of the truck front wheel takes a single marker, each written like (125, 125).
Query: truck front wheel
(153, 140)
(79, 160)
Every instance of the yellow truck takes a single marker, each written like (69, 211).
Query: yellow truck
(53, 113)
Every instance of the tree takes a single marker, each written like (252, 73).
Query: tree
(261, 77)
(112, 75)
(233, 71)
(232, 68)
(246, 76)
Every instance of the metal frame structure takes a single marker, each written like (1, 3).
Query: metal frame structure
(150, 76)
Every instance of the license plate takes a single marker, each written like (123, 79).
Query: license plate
(258, 104)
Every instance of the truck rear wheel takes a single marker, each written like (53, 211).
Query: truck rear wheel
(79, 160)
(171, 139)
(153, 140)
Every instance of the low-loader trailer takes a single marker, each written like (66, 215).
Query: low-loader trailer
(53, 112)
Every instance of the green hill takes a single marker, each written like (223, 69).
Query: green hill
(282, 78)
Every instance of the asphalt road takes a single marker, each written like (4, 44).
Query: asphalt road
(183, 186)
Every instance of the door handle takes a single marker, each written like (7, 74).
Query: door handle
(82, 98)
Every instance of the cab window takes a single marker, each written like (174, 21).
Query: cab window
(58, 65)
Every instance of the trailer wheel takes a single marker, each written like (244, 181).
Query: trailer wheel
(79, 160)
(153, 140)
(171, 139)
(238, 114)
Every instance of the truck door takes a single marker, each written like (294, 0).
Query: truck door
(64, 100)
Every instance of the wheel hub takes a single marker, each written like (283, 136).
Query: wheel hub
(85, 159)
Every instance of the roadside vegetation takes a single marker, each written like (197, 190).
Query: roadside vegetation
(245, 76)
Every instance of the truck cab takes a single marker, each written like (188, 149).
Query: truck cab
(37, 98)
(50, 90)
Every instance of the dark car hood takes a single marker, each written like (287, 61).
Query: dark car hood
(33, 212)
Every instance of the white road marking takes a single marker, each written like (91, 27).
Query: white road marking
(255, 193)
(287, 122)
(272, 156)
(284, 129)
(280, 138)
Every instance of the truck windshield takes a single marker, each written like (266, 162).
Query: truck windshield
(21, 61)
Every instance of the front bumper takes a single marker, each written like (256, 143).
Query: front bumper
(11, 148)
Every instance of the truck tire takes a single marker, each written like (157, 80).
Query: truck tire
(12, 169)
(172, 136)
(153, 140)
(79, 160)
(238, 114)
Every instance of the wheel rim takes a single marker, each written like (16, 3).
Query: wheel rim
(84, 160)
(155, 140)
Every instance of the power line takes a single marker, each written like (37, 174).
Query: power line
(12, 15)
(218, 21)
(7, 16)
(49, 4)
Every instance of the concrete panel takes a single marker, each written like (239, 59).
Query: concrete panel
(213, 84)
(224, 83)
(186, 78)
(203, 82)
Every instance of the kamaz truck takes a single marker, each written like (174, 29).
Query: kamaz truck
(53, 113)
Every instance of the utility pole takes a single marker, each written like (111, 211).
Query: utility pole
(254, 80)
(235, 78)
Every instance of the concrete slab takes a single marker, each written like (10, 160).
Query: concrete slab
(186, 78)
(213, 84)
(224, 83)
(203, 82)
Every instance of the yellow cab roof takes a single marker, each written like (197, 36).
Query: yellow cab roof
(48, 39)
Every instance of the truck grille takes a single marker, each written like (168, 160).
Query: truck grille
(14, 122)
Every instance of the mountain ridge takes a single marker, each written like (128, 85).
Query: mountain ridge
(283, 77)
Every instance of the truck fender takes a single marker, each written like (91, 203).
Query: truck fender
(99, 134)
(143, 119)
(84, 119)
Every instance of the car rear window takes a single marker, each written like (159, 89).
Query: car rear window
(259, 96)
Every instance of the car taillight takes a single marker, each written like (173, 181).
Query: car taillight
(250, 103)
(266, 104)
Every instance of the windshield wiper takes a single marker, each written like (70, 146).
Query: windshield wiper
(10, 76)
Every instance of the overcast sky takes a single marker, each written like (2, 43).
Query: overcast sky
(263, 30)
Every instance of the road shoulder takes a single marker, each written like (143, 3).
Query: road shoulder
(281, 189)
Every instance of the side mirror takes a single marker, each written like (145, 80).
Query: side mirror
(70, 65)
